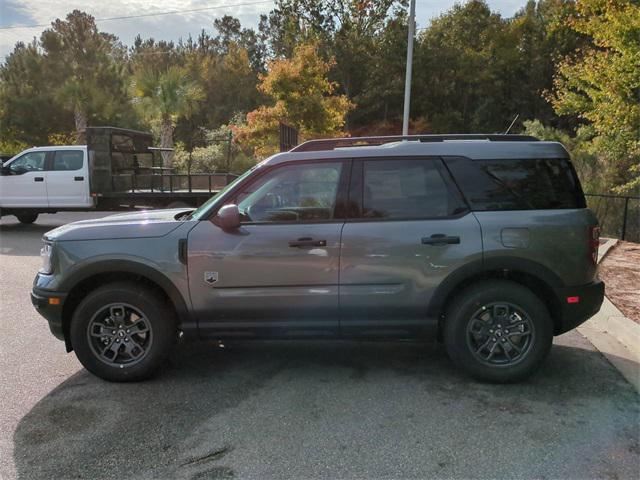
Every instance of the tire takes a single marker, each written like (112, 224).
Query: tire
(100, 323)
(27, 218)
(485, 331)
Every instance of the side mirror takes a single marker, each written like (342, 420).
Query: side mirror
(228, 217)
(17, 170)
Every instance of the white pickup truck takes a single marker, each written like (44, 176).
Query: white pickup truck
(114, 171)
(42, 178)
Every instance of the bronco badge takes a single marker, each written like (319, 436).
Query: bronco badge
(210, 277)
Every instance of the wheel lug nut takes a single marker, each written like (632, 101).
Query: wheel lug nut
(113, 332)
(126, 339)
(127, 330)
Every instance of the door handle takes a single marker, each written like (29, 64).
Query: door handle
(78, 179)
(38, 179)
(440, 239)
(307, 242)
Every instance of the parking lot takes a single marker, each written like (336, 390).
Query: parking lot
(297, 409)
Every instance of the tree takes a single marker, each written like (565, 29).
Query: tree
(232, 36)
(82, 64)
(381, 101)
(301, 95)
(346, 32)
(28, 108)
(601, 86)
(163, 97)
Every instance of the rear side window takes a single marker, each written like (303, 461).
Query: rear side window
(405, 188)
(65, 160)
(522, 184)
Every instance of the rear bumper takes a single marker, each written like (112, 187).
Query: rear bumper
(571, 315)
(51, 312)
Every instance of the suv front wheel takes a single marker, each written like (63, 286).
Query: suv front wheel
(122, 332)
(498, 331)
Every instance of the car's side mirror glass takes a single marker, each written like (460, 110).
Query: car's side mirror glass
(17, 170)
(228, 217)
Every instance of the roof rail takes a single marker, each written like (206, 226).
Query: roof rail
(333, 143)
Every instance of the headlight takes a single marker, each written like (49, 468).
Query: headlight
(45, 254)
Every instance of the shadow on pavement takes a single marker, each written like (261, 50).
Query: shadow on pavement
(26, 239)
(335, 409)
(22, 240)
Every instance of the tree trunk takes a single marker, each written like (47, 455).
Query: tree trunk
(166, 141)
(80, 117)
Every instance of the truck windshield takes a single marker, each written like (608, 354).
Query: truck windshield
(202, 210)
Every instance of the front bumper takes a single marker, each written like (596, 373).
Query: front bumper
(52, 312)
(571, 315)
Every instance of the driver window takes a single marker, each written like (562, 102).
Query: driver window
(29, 162)
(292, 193)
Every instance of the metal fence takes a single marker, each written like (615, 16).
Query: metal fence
(619, 216)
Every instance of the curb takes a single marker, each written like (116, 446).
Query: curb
(604, 248)
(614, 335)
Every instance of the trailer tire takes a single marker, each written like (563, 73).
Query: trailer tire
(27, 218)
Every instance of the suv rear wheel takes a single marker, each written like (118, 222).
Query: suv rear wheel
(122, 332)
(498, 331)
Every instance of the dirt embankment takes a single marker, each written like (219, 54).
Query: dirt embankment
(620, 271)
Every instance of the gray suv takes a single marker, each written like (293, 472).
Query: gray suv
(481, 241)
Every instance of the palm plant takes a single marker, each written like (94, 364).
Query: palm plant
(163, 97)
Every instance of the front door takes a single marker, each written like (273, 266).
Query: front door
(67, 179)
(22, 183)
(409, 230)
(278, 273)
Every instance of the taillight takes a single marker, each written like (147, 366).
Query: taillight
(594, 243)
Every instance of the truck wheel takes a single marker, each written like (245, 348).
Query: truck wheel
(122, 332)
(498, 331)
(27, 218)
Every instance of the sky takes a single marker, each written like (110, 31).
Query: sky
(167, 27)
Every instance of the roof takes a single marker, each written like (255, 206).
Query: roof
(476, 147)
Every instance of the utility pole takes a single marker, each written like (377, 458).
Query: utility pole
(407, 80)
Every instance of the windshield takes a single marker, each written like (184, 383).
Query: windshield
(200, 212)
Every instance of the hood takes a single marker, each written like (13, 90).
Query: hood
(147, 224)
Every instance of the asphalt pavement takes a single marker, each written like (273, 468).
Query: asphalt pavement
(306, 409)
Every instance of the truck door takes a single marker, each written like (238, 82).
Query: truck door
(67, 179)
(22, 183)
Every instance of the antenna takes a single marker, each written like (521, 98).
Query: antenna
(514, 121)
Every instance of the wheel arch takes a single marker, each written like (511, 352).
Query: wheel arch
(536, 277)
(92, 276)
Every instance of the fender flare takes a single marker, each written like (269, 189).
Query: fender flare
(134, 267)
(481, 268)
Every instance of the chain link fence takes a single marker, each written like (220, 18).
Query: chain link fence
(619, 216)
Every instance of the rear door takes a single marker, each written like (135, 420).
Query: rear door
(278, 273)
(67, 179)
(22, 183)
(410, 230)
